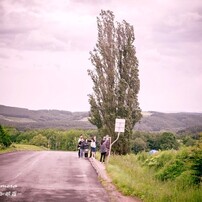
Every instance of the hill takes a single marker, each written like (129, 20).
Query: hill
(23, 119)
(157, 121)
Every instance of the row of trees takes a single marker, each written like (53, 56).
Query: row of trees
(162, 141)
(67, 140)
(145, 141)
(51, 138)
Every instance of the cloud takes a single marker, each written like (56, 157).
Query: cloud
(46, 28)
(50, 37)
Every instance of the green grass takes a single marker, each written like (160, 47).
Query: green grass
(22, 147)
(132, 178)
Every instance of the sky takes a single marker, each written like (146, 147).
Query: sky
(45, 45)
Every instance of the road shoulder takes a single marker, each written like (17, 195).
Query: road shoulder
(115, 195)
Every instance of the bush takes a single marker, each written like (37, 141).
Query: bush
(39, 140)
(139, 145)
(174, 165)
(185, 180)
(4, 138)
(171, 170)
(168, 141)
(160, 159)
(196, 164)
(134, 179)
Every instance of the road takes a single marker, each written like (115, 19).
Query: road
(48, 176)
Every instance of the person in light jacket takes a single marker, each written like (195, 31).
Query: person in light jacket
(93, 147)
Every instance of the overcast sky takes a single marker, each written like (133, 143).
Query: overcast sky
(45, 45)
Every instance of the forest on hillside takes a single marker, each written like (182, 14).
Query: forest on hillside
(24, 119)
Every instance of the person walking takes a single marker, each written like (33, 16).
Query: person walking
(103, 151)
(79, 145)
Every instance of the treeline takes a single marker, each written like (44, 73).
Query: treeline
(67, 140)
(53, 139)
(146, 141)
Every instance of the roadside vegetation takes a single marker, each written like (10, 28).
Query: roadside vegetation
(53, 139)
(22, 147)
(172, 173)
(165, 176)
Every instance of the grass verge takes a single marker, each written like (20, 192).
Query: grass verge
(133, 179)
(22, 147)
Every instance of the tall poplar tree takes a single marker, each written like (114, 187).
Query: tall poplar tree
(115, 80)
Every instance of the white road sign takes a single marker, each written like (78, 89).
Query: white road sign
(120, 125)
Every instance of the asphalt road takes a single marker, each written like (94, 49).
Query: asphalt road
(48, 176)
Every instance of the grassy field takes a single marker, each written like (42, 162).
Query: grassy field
(22, 147)
(132, 177)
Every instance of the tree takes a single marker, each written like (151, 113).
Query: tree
(39, 140)
(115, 79)
(188, 141)
(139, 145)
(168, 141)
(4, 138)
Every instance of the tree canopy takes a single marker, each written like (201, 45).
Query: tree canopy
(115, 79)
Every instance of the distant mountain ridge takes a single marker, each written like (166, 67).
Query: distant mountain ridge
(158, 121)
(23, 119)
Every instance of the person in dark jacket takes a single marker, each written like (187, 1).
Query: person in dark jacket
(79, 145)
(103, 151)
(84, 148)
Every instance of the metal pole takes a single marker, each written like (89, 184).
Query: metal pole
(116, 139)
(110, 147)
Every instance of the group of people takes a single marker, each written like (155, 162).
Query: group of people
(85, 145)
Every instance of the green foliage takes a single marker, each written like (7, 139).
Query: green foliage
(171, 170)
(53, 138)
(72, 140)
(158, 160)
(12, 132)
(22, 147)
(27, 135)
(139, 145)
(196, 161)
(39, 140)
(158, 141)
(135, 176)
(170, 165)
(4, 138)
(188, 141)
(168, 141)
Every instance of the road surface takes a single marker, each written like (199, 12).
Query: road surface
(48, 176)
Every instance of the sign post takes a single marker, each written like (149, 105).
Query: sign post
(119, 127)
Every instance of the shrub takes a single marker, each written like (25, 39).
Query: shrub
(185, 180)
(4, 138)
(39, 140)
(139, 145)
(168, 141)
(171, 170)
(196, 164)
(158, 160)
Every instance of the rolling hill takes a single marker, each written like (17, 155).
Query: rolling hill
(24, 119)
